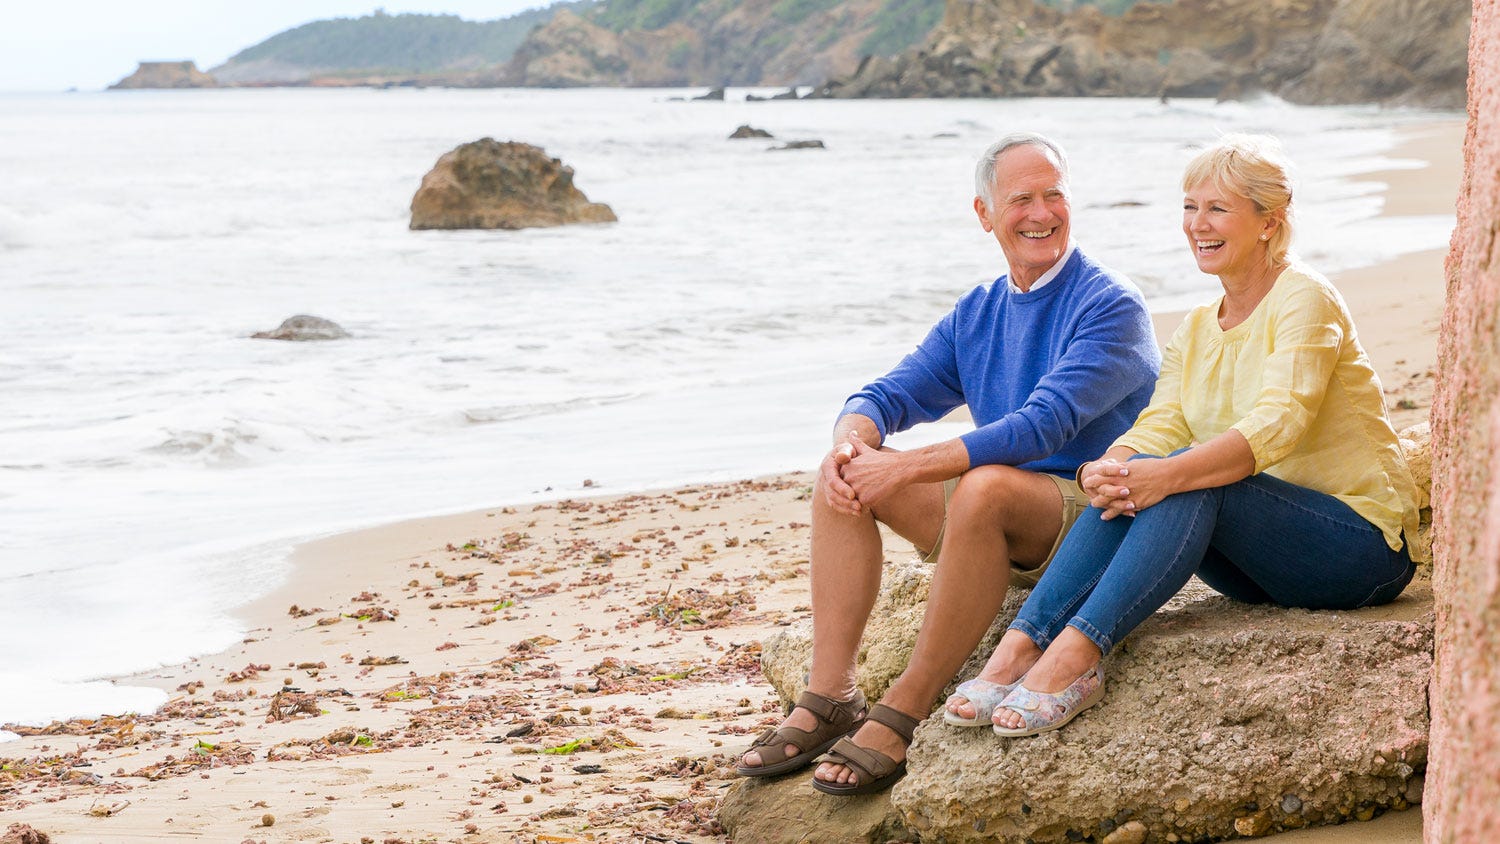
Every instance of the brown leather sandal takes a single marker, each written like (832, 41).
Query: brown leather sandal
(836, 719)
(876, 771)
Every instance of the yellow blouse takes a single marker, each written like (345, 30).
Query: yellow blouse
(1294, 380)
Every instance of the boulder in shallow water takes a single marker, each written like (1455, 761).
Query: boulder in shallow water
(487, 184)
(304, 327)
(748, 131)
(813, 144)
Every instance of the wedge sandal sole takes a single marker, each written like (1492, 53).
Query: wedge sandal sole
(1093, 698)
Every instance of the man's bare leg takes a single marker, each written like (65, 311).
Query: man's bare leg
(998, 513)
(846, 561)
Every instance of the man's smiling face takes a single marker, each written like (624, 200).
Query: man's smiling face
(1028, 213)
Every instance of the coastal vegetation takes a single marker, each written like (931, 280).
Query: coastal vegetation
(386, 43)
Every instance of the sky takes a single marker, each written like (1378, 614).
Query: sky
(90, 44)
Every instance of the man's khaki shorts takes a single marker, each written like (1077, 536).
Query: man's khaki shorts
(1074, 501)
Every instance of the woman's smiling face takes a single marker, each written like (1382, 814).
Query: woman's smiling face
(1225, 230)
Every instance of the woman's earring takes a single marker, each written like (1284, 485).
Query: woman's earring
(1265, 237)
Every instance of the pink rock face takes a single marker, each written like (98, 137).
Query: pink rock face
(1463, 778)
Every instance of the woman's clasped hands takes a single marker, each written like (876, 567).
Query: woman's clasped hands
(1124, 488)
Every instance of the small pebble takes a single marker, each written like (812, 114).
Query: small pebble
(268, 819)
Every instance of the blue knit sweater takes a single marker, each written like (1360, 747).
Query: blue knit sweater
(1051, 377)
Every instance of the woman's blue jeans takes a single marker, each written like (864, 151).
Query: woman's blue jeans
(1259, 540)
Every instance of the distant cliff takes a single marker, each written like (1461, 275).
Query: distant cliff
(1403, 52)
(166, 75)
(716, 42)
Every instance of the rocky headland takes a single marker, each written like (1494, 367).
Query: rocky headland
(749, 43)
(166, 75)
(1399, 52)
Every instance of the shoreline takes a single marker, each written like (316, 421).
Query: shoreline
(446, 656)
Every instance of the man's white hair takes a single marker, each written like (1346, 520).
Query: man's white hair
(984, 173)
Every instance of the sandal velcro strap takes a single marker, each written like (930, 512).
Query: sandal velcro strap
(869, 764)
(897, 721)
(830, 710)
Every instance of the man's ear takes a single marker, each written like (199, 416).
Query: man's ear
(983, 212)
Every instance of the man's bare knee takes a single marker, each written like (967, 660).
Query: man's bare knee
(993, 491)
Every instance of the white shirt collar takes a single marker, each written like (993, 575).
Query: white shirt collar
(1052, 272)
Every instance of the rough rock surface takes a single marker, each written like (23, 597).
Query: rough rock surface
(750, 43)
(1409, 52)
(1249, 719)
(1464, 800)
(1416, 443)
(788, 810)
(303, 327)
(166, 75)
(487, 184)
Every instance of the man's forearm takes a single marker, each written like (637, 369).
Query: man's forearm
(857, 423)
(937, 462)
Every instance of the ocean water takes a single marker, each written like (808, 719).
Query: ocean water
(156, 464)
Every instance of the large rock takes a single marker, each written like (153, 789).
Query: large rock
(1465, 774)
(166, 75)
(788, 810)
(1220, 718)
(1244, 717)
(1312, 51)
(487, 184)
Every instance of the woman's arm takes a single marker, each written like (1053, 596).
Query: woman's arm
(1306, 335)
(1126, 488)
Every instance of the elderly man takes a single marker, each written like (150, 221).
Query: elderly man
(1054, 360)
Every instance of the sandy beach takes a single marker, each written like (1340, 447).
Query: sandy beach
(579, 670)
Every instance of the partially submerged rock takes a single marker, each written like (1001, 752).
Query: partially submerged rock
(487, 184)
(748, 131)
(789, 94)
(303, 327)
(714, 95)
(813, 144)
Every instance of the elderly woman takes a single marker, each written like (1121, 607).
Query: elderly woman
(1273, 471)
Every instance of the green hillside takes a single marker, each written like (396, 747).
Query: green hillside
(399, 43)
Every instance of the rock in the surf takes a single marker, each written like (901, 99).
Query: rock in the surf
(488, 184)
(303, 327)
(813, 144)
(748, 131)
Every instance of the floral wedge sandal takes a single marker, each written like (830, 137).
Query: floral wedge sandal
(1043, 712)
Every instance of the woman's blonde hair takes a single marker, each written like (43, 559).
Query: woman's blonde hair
(1252, 166)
